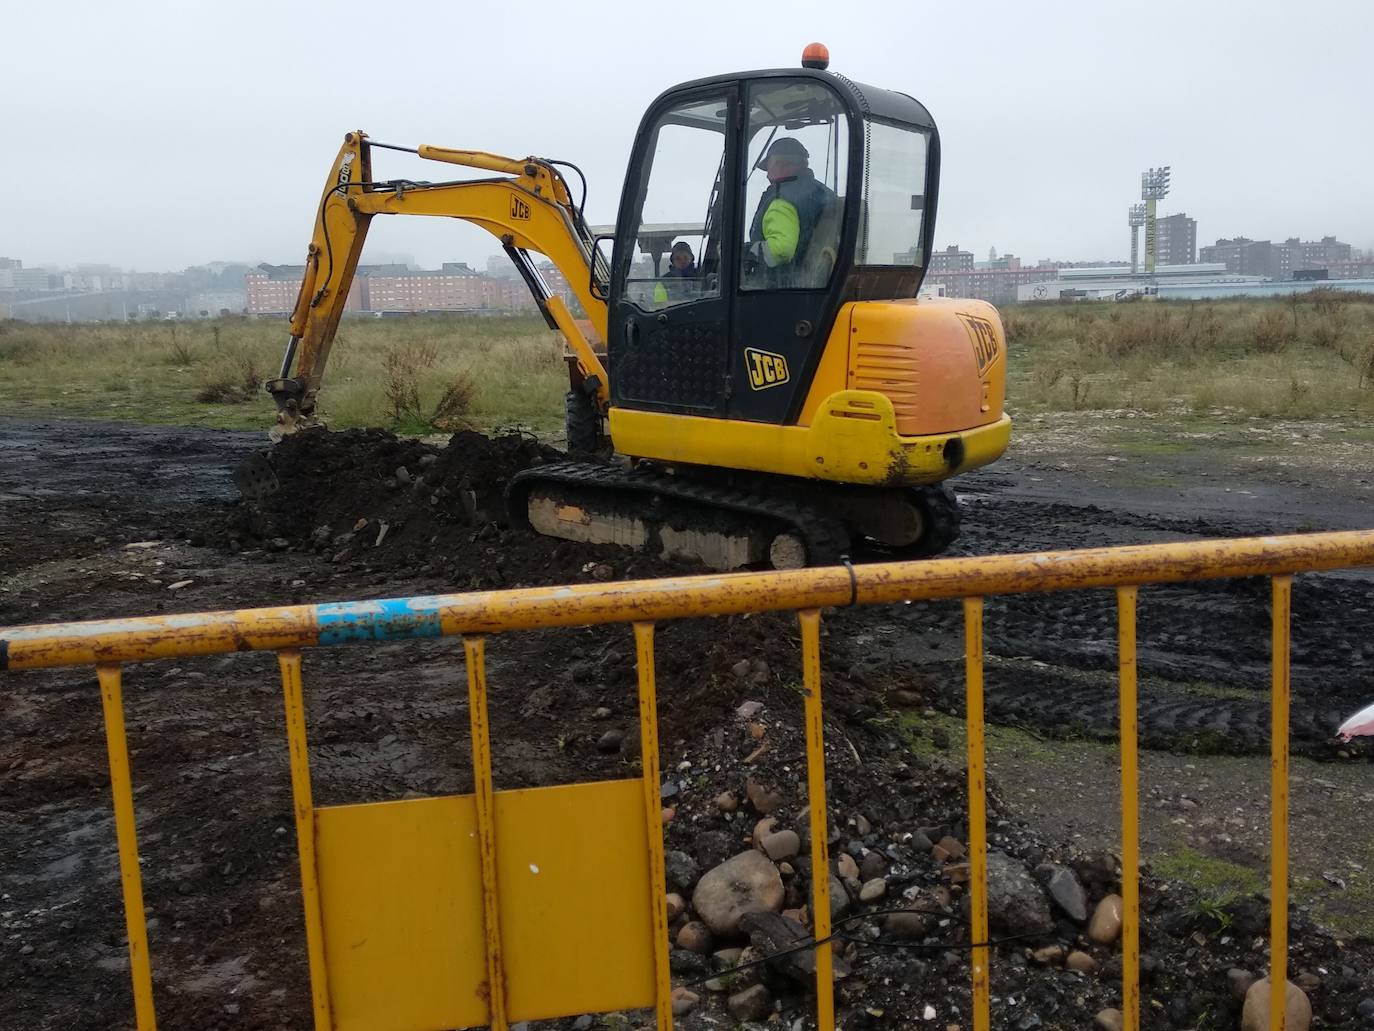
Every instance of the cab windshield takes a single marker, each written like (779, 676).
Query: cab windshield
(797, 153)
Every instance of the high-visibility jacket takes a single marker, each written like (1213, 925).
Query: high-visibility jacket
(673, 284)
(786, 216)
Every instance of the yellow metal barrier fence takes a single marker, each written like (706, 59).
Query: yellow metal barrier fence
(444, 951)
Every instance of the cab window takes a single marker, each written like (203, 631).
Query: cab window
(794, 185)
(675, 258)
(894, 196)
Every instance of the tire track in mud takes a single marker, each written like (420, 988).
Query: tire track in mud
(1204, 659)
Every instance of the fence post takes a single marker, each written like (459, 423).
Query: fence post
(980, 955)
(653, 821)
(126, 834)
(810, 620)
(474, 652)
(1278, 804)
(289, 661)
(1130, 809)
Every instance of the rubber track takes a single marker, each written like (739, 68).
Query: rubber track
(826, 539)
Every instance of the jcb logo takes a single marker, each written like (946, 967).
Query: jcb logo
(766, 369)
(519, 209)
(345, 169)
(986, 347)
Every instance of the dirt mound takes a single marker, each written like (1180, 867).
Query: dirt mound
(371, 501)
(328, 476)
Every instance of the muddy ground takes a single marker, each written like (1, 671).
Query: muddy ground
(209, 758)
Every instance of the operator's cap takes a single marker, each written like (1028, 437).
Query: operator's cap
(682, 247)
(784, 147)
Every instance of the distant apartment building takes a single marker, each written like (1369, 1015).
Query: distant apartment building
(35, 279)
(454, 287)
(1242, 256)
(1176, 240)
(995, 281)
(1278, 261)
(1293, 255)
(272, 289)
(951, 259)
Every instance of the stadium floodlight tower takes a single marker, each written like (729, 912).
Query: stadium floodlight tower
(1154, 186)
(1135, 218)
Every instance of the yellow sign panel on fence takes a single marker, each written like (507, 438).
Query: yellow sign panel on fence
(402, 901)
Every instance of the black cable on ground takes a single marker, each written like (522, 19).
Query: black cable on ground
(838, 935)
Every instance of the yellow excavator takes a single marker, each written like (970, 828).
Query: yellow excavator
(772, 386)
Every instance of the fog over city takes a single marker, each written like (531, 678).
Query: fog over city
(160, 135)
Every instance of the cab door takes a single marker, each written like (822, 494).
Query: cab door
(669, 312)
(794, 176)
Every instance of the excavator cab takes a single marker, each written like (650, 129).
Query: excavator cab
(844, 175)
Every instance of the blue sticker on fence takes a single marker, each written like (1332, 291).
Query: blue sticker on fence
(395, 619)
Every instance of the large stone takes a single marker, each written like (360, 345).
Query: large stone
(873, 890)
(754, 1003)
(680, 871)
(1065, 890)
(845, 866)
(1255, 1015)
(742, 884)
(694, 937)
(1105, 926)
(1108, 1020)
(952, 848)
(1015, 902)
(907, 926)
(1080, 961)
(763, 798)
(839, 900)
(1239, 980)
(873, 865)
(683, 1001)
(781, 845)
(676, 906)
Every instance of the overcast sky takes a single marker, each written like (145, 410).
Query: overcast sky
(159, 135)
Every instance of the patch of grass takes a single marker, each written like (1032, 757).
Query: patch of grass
(446, 372)
(1350, 912)
(1303, 359)
(1145, 448)
(1204, 689)
(1218, 880)
(920, 731)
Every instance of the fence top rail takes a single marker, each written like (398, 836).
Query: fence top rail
(487, 612)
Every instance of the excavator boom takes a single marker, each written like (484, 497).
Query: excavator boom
(528, 207)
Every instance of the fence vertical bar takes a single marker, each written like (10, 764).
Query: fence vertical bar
(810, 620)
(1130, 808)
(1278, 803)
(653, 821)
(126, 835)
(475, 654)
(293, 697)
(979, 955)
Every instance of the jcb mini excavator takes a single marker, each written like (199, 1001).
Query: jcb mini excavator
(776, 392)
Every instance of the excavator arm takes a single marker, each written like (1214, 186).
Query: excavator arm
(527, 206)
